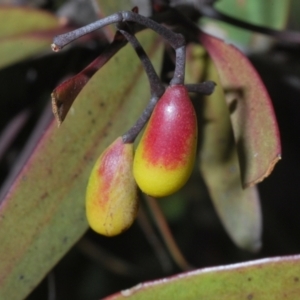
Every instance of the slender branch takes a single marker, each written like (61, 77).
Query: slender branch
(178, 77)
(156, 86)
(174, 39)
(167, 235)
(133, 132)
(62, 40)
(213, 13)
(205, 88)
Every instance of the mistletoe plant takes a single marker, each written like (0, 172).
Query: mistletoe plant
(228, 131)
(165, 156)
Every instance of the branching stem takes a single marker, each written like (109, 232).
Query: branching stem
(133, 132)
(156, 86)
(176, 40)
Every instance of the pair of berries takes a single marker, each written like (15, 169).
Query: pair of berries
(162, 164)
(165, 156)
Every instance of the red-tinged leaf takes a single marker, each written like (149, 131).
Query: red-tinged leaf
(43, 214)
(254, 123)
(266, 279)
(26, 32)
(238, 208)
(64, 95)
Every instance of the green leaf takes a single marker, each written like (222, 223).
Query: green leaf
(20, 20)
(26, 32)
(238, 209)
(110, 7)
(15, 49)
(43, 214)
(294, 22)
(253, 119)
(269, 13)
(267, 279)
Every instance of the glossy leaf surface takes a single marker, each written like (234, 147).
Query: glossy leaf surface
(266, 279)
(26, 32)
(253, 120)
(238, 209)
(43, 214)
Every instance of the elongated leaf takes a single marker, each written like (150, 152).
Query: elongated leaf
(15, 49)
(43, 214)
(267, 279)
(254, 123)
(269, 13)
(20, 20)
(238, 209)
(26, 32)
